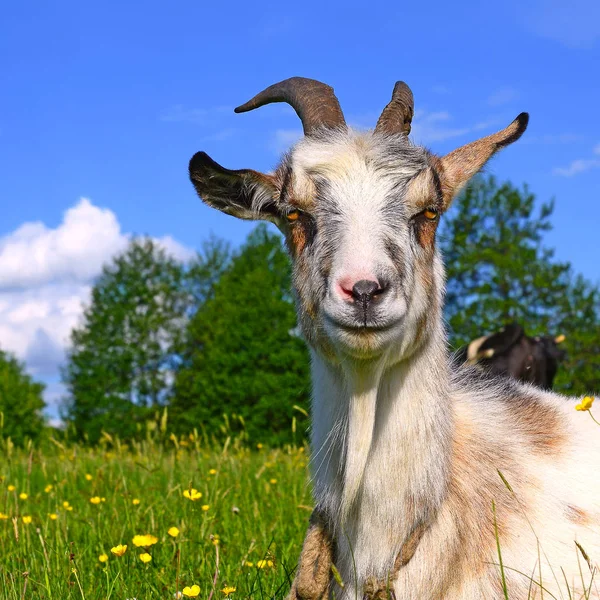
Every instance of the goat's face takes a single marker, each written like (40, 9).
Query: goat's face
(359, 212)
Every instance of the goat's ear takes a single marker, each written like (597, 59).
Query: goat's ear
(456, 168)
(245, 194)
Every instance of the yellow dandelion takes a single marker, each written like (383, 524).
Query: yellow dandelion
(103, 499)
(135, 501)
(228, 589)
(259, 446)
(52, 516)
(23, 496)
(272, 481)
(192, 494)
(67, 506)
(263, 564)
(119, 550)
(95, 499)
(145, 557)
(88, 477)
(11, 488)
(585, 404)
(48, 488)
(215, 539)
(3, 517)
(191, 592)
(144, 540)
(212, 472)
(249, 564)
(27, 519)
(205, 507)
(103, 558)
(173, 532)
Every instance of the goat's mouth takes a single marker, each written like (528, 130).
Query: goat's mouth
(371, 326)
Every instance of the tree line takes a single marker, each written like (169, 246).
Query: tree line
(214, 341)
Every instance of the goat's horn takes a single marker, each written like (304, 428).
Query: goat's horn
(398, 114)
(314, 102)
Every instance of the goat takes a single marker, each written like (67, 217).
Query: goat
(511, 352)
(420, 471)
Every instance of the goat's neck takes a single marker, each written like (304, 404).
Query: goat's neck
(393, 419)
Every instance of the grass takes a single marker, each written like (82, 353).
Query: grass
(245, 531)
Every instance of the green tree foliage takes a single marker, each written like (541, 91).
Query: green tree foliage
(499, 271)
(123, 356)
(21, 402)
(240, 356)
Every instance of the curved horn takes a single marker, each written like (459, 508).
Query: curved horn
(314, 102)
(398, 114)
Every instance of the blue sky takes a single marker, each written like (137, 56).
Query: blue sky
(108, 101)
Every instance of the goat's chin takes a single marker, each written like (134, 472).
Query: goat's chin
(362, 343)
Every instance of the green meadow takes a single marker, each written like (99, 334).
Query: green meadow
(211, 522)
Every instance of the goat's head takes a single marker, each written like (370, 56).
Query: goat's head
(359, 212)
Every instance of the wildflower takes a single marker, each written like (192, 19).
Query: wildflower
(259, 446)
(262, 564)
(212, 472)
(205, 507)
(144, 540)
(145, 557)
(95, 499)
(103, 499)
(249, 564)
(67, 506)
(192, 494)
(23, 496)
(215, 539)
(272, 481)
(228, 589)
(119, 550)
(191, 592)
(48, 488)
(3, 517)
(52, 516)
(88, 477)
(585, 404)
(11, 488)
(135, 501)
(103, 558)
(173, 532)
(27, 519)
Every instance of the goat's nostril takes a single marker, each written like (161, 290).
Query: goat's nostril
(365, 289)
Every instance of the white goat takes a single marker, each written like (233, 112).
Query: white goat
(421, 469)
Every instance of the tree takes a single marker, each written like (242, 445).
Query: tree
(241, 355)
(21, 401)
(499, 271)
(123, 356)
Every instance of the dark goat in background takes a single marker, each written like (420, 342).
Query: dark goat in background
(511, 352)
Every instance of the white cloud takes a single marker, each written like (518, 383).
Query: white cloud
(577, 166)
(429, 127)
(46, 276)
(282, 139)
(580, 165)
(503, 96)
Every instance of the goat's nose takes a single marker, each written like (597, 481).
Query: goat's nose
(365, 290)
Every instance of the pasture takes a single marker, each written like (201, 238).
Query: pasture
(239, 513)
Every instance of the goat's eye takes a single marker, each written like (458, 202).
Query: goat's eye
(293, 216)
(431, 214)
